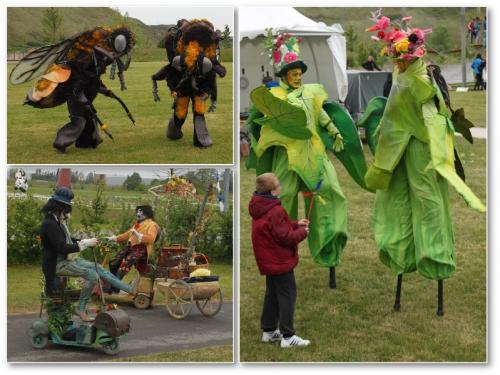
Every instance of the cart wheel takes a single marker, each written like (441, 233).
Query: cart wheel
(210, 306)
(179, 299)
(39, 341)
(142, 301)
(112, 347)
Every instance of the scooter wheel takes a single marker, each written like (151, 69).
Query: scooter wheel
(142, 301)
(39, 341)
(112, 347)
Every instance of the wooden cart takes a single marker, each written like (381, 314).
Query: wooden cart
(181, 291)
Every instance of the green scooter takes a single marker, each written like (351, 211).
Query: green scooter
(105, 331)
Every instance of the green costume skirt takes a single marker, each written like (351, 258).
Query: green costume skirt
(328, 221)
(413, 228)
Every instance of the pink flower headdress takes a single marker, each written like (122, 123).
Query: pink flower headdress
(401, 41)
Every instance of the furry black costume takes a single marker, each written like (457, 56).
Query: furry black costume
(72, 72)
(193, 53)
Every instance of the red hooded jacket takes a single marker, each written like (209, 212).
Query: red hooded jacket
(274, 236)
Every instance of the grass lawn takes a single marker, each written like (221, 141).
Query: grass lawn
(24, 284)
(474, 103)
(356, 322)
(86, 193)
(213, 354)
(31, 132)
(115, 196)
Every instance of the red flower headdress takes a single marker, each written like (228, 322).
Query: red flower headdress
(401, 41)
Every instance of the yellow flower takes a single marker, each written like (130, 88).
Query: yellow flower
(384, 51)
(402, 45)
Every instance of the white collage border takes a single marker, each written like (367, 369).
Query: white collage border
(493, 157)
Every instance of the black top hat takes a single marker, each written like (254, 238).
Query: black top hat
(63, 195)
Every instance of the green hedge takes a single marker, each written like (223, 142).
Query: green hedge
(23, 225)
(176, 217)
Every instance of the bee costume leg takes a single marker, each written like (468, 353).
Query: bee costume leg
(177, 120)
(69, 133)
(89, 138)
(82, 130)
(201, 138)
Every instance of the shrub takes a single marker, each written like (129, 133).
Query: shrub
(23, 227)
(362, 53)
(175, 215)
(440, 39)
(216, 240)
(94, 215)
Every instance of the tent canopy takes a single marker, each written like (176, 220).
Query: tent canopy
(323, 49)
(254, 20)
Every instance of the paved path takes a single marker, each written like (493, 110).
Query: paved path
(153, 331)
(481, 133)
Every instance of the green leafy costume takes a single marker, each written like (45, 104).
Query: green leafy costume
(290, 131)
(413, 164)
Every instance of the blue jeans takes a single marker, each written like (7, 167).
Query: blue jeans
(82, 268)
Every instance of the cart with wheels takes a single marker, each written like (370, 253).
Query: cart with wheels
(182, 294)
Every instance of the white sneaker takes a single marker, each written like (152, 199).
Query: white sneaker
(272, 336)
(294, 341)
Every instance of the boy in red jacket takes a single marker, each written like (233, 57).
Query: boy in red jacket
(275, 238)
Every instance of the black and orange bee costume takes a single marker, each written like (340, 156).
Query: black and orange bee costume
(70, 72)
(192, 51)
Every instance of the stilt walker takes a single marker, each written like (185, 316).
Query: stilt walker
(291, 126)
(415, 160)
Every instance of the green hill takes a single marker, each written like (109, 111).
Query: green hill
(25, 29)
(447, 19)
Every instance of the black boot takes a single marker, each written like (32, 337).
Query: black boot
(69, 133)
(440, 311)
(333, 278)
(397, 302)
(174, 129)
(201, 138)
(90, 137)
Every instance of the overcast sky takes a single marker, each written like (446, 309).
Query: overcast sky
(219, 16)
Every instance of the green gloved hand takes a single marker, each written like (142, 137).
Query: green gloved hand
(338, 145)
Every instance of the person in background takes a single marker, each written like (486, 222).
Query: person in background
(370, 64)
(478, 65)
(470, 30)
(485, 34)
(477, 30)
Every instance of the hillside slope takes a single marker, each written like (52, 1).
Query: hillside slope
(25, 29)
(422, 17)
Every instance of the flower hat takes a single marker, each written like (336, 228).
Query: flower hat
(284, 52)
(401, 40)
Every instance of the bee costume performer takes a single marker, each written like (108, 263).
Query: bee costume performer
(70, 72)
(414, 161)
(194, 62)
(291, 126)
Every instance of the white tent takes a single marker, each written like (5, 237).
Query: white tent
(323, 49)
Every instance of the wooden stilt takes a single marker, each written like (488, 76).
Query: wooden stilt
(333, 280)
(397, 302)
(440, 311)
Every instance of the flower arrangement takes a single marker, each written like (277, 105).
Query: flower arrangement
(401, 40)
(282, 48)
